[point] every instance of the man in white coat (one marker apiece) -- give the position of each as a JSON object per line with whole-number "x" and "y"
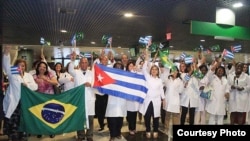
{"x": 83, "y": 76}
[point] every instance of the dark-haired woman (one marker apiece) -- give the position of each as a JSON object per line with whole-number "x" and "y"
{"x": 116, "y": 111}
{"x": 11, "y": 102}
{"x": 45, "y": 81}
{"x": 219, "y": 95}
{"x": 174, "y": 87}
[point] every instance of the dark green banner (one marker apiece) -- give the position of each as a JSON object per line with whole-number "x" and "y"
{"x": 213, "y": 29}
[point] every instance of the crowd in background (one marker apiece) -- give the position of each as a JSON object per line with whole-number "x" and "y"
{"x": 174, "y": 94}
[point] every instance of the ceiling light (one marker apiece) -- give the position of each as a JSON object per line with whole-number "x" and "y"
{"x": 202, "y": 40}
{"x": 128, "y": 15}
{"x": 236, "y": 5}
{"x": 63, "y": 31}
{"x": 92, "y": 43}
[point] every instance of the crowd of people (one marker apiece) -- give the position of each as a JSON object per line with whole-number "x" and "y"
{"x": 174, "y": 94}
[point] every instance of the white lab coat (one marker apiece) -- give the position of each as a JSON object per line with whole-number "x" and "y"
{"x": 239, "y": 100}
{"x": 174, "y": 87}
{"x": 65, "y": 81}
{"x": 190, "y": 95}
{"x": 80, "y": 79}
{"x": 133, "y": 106}
{"x": 155, "y": 93}
{"x": 13, "y": 93}
{"x": 220, "y": 87}
{"x": 116, "y": 107}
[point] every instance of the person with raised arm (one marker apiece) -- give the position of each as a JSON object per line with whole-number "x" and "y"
{"x": 11, "y": 101}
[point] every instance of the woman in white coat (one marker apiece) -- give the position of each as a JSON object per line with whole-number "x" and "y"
{"x": 11, "y": 101}
{"x": 219, "y": 95}
{"x": 116, "y": 111}
{"x": 151, "y": 107}
{"x": 174, "y": 87}
{"x": 238, "y": 100}
{"x": 132, "y": 106}
{"x": 65, "y": 80}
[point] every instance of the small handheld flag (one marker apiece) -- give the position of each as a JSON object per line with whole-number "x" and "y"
{"x": 42, "y": 41}
{"x": 228, "y": 54}
{"x": 206, "y": 94}
{"x": 236, "y": 48}
{"x": 188, "y": 60}
{"x": 73, "y": 41}
{"x": 183, "y": 55}
{"x": 215, "y": 48}
{"x": 145, "y": 40}
{"x": 187, "y": 77}
{"x": 15, "y": 70}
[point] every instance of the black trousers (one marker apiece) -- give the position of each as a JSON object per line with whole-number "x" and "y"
{"x": 115, "y": 126}
{"x": 147, "y": 119}
{"x": 184, "y": 111}
{"x": 100, "y": 108}
{"x": 131, "y": 118}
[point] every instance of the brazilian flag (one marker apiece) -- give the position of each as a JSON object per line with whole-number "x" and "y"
{"x": 52, "y": 114}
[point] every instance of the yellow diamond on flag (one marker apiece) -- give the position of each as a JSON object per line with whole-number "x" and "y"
{"x": 53, "y": 113}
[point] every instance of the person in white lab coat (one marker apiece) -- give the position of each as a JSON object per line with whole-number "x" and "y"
{"x": 219, "y": 95}
{"x": 174, "y": 87}
{"x": 65, "y": 80}
{"x": 11, "y": 101}
{"x": 200, "y": 112}
{"x": 151, "y": 106}
{"x": 132, "y": 106}
{"x": 116, "y": 111}
{"x": 238, "y": 100}
{"x": 83, "y": 76}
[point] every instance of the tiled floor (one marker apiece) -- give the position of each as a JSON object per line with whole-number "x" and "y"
{"x": 104, "y": 136}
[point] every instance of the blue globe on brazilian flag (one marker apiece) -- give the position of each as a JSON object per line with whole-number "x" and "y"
{"x": 52, "y": 114}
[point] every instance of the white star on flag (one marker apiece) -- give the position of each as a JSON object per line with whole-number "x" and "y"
{"x": 100, "y": 77}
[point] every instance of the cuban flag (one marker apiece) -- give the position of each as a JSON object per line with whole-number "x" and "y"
{"x": 73, "y": 41}
{"x": 188, "y": 60}
{"x": 228, "y": 54}
{"x": 145, "y": 40}
{"x": 15, "y": 70}
{"x": 42, "y": 41}
{"x": 120, "y": 83}
{"x": 187, "y": 78}
{"x": 236, "y": 48}
{"x": 183, "y": 55}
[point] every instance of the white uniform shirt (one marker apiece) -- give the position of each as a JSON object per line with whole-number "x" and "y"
{"x": 220, "y": 87}
{"x": 80, "y": 79}
{"x": 239, "y": 100}
{"x": 13, "y": 93}
{"x": 155, "y": 93}
{"x": 174, "y": 87}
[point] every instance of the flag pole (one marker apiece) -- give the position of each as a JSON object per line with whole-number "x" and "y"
{"x": 155, "y": 55}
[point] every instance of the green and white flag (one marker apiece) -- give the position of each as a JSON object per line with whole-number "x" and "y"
{"x": 52, "y": 114}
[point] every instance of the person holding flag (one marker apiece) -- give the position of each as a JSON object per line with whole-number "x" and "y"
{"x": 84, "y": 76}
{"x": 151, "y": 106}
{"x": 11, "y": 101}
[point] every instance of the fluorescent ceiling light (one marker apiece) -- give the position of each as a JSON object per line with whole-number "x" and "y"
{"x": 202, "y": 40}
{"x": 236, "y": 5}
{"x": 63, "y": 31}
{"x": 128, "y": 15}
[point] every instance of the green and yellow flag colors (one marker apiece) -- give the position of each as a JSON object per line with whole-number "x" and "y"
{"x": 166, "y": 62}
{"x": 52, "y": 114}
